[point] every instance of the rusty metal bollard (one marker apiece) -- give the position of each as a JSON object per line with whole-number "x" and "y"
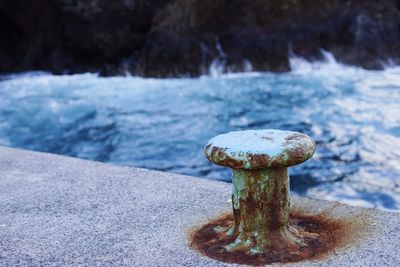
{"x": 260, "y": 199}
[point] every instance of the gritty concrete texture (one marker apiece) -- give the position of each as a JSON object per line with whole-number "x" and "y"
{"x": 59, "y": 211}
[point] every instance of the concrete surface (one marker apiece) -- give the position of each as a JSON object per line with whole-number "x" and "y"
{"x": 59, "y": 211}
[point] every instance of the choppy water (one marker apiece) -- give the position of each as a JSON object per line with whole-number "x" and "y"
{"x": 353, "y": 114}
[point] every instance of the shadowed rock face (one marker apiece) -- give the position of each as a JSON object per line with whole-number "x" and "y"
{"x": 182, "y": 37}
{"x": 74, "y": 35}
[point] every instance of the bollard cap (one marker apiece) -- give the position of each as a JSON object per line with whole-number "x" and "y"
{"x": 259, "y": 149}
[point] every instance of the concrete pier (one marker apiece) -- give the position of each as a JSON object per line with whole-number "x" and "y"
{"x": 60, "y": 211}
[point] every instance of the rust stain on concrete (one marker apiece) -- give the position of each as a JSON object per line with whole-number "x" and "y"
{"x": 321, "y": 233}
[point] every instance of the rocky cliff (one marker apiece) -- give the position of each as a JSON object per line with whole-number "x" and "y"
{"x": 184, "y": 37}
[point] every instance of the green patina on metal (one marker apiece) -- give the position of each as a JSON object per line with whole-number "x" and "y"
{"x": 261, "y": 230}
{"x": 260, "y": 207}
{"x": 260, "y": 197}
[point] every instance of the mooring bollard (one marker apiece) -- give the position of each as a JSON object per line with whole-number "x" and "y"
{"x": 261, "y": 230}
{"x": 260, "y": 199}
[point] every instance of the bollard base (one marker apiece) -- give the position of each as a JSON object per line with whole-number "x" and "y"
{"x": 319, "y": 235}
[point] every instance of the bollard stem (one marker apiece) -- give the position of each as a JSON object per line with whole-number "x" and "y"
{"x": 260, "y": 203}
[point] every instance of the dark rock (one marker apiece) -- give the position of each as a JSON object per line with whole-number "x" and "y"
{"x": 362, "y": 33}
{"x": 72, "y": 35}
{"x": 163, "y": 38}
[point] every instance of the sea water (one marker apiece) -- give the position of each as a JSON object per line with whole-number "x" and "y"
{"x": 353, "y": 114}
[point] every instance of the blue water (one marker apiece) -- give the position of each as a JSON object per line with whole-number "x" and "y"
{"x": 163, "y": 124}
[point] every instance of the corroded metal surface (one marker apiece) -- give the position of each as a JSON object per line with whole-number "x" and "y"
{"x": 260, "y": 208}
{"x": 259, "y": 149}
{"x": 260, "y": 230}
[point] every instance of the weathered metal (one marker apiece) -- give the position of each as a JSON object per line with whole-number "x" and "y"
{"x": 262, "y": 230}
